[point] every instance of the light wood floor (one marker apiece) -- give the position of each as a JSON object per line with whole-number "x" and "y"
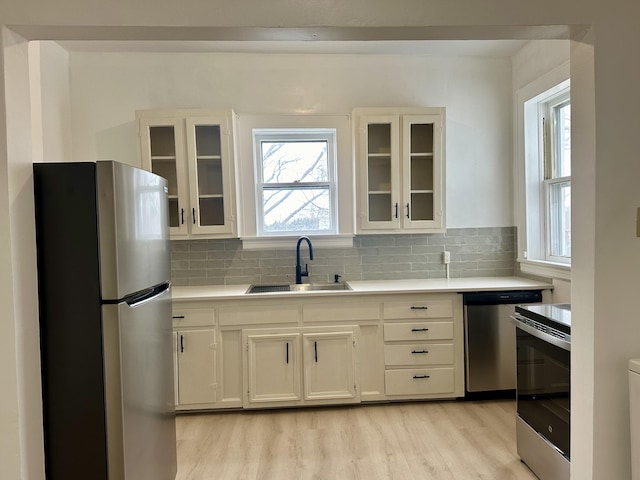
{"x": 422, "y": 440}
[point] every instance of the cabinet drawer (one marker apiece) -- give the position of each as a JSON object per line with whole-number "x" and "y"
{"x": 259, "y": 314}
{"x": 418, "y": 331}
{"x": 418, "y": 309}
{"x": 418, "y": 354}
{"x": 419, "y": 381}
{"x": 193, "y": 318}
{"x": 340, "y": 312}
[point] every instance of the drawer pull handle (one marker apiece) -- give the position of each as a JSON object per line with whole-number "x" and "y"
{"x": 419, "y": 307}
{"x": 419, "y": 329}
{"x": 177, "y": 317}
{"x": 419, "y": 351}
{"x": 420, "y": 376}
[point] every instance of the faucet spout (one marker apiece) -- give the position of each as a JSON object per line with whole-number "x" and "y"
{"x": 299, "y": 272}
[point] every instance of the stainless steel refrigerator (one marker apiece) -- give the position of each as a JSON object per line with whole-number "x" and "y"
{"x": 105, "y": 322}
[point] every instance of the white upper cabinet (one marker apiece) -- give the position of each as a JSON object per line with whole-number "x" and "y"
{"x": 400, "y": 162}
{"x": 193, "y": 150}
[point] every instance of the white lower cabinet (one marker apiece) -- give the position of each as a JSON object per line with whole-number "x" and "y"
{"x": 330, "y": 366}
{"x": 304, "y": 351}
{"x": 194, "y": 361}
{"x": 272, "y": 372}
{"x": 278, "y": 362}
{"x": 423, "y": 347}
{"x": 196, "y": 372}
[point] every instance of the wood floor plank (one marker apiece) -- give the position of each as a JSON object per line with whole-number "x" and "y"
{"x": 455, "y": 440}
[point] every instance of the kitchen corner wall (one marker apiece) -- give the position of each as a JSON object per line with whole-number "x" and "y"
{"x": 474, "y": 252}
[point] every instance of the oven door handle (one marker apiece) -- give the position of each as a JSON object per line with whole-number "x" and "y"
{"x": 558, "y": 342}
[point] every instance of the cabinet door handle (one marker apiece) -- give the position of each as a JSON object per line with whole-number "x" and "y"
{"x": 315, "y": 348}
{"x": 193, "y": 213}
{"x": 420, "y": 376}
{"x": 419, "y": 329}
{"x": 419, "y": 351}
{"x": 408, "y": 216}
{"x": 419, "y": 308}
{"x": 396, "y": 209}
{"x": 182, "y": 216}
{"x": 287, "y": 352}
{"x": 181, "y": 343}
{"x": 178, "y": 316}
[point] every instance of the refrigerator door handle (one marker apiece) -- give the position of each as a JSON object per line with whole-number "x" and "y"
{"x": 148, "y": 295}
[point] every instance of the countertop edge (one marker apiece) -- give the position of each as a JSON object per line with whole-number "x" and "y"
{"x": 373, "y": 287}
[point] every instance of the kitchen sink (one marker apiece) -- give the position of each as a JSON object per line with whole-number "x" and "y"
{"x": 302, "y": 287}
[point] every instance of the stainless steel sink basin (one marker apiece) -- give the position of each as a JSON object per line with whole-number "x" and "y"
{"x": 303, "y": 287}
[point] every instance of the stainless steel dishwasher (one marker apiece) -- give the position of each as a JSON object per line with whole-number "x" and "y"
{"x": 490, "y": 341}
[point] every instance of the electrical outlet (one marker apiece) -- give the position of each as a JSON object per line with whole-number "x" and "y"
{"x": 446, "y": 257}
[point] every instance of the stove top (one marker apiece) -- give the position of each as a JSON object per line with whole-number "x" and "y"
{"x": 556, "y": 315}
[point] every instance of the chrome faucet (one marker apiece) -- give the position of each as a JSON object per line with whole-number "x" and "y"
{"x": 299, "y": 272}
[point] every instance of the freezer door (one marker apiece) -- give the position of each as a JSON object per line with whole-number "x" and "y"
{"x": 140, "y": 411}
{"x": 133, "y": 229}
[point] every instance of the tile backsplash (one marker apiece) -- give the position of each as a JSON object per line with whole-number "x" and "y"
{"x": 475, "y": 252}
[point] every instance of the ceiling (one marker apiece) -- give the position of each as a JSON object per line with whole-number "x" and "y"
{"x": 473, "y": 48}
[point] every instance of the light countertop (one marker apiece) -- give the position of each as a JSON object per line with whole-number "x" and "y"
{"x": 226, "y": 292}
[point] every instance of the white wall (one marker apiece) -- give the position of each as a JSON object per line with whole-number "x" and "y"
{"x": 55, "y": 105}
{"x": 108, "y": 87}
{"x": 19, "y": 321}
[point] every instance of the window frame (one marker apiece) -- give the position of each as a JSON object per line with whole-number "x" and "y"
{"x": 530, "y": 175}
{"x": 246, "y": 177}
{"x": 327, "y": 135}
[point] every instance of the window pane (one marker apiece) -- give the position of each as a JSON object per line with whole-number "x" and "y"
{"x": 297, "y": 210}
{"x": 562, "y": 145}
{"x": 294, "y": 161}
{"x": 560, "y": 219}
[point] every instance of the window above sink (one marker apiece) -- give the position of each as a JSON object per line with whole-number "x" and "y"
{"x": 298, "y": 190}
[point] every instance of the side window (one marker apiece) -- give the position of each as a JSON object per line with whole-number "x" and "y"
{"x": 546, "y": 177}
{"x": 295, "y": 181}
{"x": 556, "y": 114}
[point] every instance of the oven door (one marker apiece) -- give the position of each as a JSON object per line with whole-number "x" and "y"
{"x": 543, "y": 387}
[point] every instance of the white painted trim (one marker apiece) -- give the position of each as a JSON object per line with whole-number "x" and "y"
{"x": 523, "y": 217}
{"x": 545, "y": 269}
{"x": 264, "y": 243}
{"x": 245, "y": 170}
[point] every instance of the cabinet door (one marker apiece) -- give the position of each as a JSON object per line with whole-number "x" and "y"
{"x": 210, "y": 162}
{"x": 196, "y": 366}
{"x": 162, "y": 152}
{"x": 422, "y": 173}
{"x": 329, "y": 366}
{"x": 379, "y": 203}
{"x": 272, "y": 368}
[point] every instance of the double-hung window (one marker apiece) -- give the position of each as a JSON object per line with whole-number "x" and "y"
{"x": 544, "y": 146}
{"x": 296, "y": 181}
{"x": 556, "y": 118}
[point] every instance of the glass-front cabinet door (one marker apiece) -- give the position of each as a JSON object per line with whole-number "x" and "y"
{"x": 162, "y": 143}
{"x": 209, "y": 157}
{"x": 400, "y": 170}
{"x": 193, "y": 150}
{"x": 380, "y": 196}
{"x": 422, "y": 171}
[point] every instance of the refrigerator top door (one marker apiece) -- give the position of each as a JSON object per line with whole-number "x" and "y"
{"x": 133, "y": 229}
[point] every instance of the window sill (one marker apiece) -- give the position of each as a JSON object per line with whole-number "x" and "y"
{"x": 546, "y": 269}
{"x": 319, "y": 241}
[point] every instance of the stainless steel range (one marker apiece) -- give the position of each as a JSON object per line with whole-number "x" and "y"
{"x": 543, "y": 392}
